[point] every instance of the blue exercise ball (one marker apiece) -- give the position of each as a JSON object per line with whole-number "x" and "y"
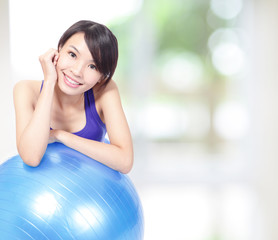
{"x": 68, "y": 196}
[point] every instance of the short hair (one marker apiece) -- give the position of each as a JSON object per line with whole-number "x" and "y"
{"x": 102, "y": 44}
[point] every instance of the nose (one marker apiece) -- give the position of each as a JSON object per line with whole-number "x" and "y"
{"x": 76, "y": 69}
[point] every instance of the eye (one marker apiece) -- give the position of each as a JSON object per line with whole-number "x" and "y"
{"x": 72, "y": 54}
{"x": 92, "y": 66}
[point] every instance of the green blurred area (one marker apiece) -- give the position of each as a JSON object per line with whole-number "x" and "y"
{"x": 165, "y": 60}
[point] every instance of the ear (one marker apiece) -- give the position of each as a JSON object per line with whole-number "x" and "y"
{"x": 99, "y": 81}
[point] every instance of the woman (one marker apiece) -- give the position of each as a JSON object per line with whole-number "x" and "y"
{"x": 77, "y": 102}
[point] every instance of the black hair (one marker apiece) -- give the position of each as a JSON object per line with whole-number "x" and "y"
{"x": 102, "y": 43}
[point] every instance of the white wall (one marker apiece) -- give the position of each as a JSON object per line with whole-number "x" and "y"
{"x": 7, "y": 136}
{"x": 263, "y": 98}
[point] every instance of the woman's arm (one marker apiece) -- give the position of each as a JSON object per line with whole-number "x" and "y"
{"x": 32, "y": 111}
{"x": 119, "y": 153}
{"x": 32, "y": 124}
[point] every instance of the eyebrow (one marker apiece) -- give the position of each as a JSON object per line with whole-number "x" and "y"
{"x": 74, "y": 48}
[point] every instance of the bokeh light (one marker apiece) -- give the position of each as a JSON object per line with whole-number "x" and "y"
{"x": 231, "y": 120}
{"x": 182, "y": 72}
{"x": 228, "y": 58}
{"x": 226, "y": 9}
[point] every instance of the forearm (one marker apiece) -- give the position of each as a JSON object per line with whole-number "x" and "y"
{"x": 33, "y": 140}
{"x": 115, "y": 157}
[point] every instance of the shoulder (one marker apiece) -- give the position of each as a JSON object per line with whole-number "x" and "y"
{"x": 28, "y": 85}
{"x": 100, "y": 92}
{"x": 111, "y": 85}
{"x": 27, "y": 89}
{"x": 109, "y": 93}
{"x": 108, "y": 98}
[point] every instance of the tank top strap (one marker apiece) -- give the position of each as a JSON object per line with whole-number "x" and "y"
{"x": 41, "y": 85}
{"x": 90, "y": 107}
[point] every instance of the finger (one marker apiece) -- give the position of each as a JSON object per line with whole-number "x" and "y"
{"x": 49, "y": 55}
{"x": 56, "y": 58}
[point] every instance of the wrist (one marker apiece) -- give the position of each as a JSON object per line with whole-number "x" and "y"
{"x": 60, "y": 135}
{"x": 49, "y": 83}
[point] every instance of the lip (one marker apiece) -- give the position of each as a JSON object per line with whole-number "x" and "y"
{"x": 70, "y": 84}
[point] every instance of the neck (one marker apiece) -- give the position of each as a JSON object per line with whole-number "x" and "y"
{"x": 65, "y": 100}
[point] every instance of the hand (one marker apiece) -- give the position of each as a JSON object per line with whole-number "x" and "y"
{"x": 48, "y": 62}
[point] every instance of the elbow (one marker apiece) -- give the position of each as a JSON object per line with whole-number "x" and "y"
{"x": 30, "y": 160}
{"x": 127, "y": 166}
{"x": 29, "y": 156}
{"x": 125, "y": 170}
{"x": 32, "y": 163}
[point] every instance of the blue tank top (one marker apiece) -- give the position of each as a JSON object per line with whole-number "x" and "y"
{"x": 94, "y": 129}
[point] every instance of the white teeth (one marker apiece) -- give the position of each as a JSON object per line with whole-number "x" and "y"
{"x": 71, "y": 81}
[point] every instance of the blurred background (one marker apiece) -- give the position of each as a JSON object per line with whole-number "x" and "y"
{"x": 198, "y": 81}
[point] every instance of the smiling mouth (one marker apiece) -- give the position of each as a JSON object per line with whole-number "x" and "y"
{"x": 71, "y": 81}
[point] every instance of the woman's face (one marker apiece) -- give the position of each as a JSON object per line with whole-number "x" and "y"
{"x": 76, "y": 68}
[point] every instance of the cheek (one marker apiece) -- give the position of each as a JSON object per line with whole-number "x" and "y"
{"x": 92, "y": 77}
{"x": 62, "y": 62}
{"x": 92, "y": 81}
